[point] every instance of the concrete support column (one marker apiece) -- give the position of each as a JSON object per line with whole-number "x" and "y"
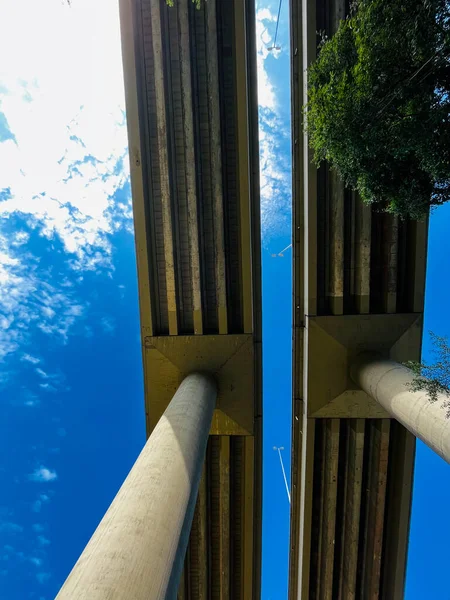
{"x": 388, "y": 383}
{"x": 138, "y": 549}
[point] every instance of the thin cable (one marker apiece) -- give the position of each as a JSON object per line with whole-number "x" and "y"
{"x": 278, "y": 449}
{"x": 284, "y": 249}
{"x": 282, "y": 252}
{"x": 278, "y": 20}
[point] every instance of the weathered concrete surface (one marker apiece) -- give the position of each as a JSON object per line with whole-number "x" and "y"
{"x": 138, "y": 549}
{"x": 388, "y": 382}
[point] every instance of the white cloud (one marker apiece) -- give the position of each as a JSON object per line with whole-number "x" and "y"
{"x": 66, "y": 183}
{"x": 31, "y": 399}
{"x": 10, "y": 527}
{"x": 274, "y": 134}
{"x": 36, "y": 561}
{"x": 43, "y": 474}
{"x": 24, "y": 298}
{"x": 9, "y": 552}
{"x": 43, "y": 577}
{"x": 64, "y": 104}
{"x": 32, "y": 359}
{"x": 47, "y": 387}
{"x": 275, "y": 178}
{"x": 38, "y": 527}
{"x": 43, "y": 541}
{"x": 20, "y": 238}
{"x": 266, "y": 91}
{"x": 108, "y": 325}
{"x": 37, "y": 504}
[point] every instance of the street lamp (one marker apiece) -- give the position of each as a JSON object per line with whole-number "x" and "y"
{"x": 282, "y": 252}
{"x": 279, "y": 449}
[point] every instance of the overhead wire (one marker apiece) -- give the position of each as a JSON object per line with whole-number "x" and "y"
{"x": 274, "y": 45}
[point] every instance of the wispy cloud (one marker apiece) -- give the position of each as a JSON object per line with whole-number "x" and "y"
{"x": 275, "y": 178}
{"x": 108, "y": 325}
{"x": 66, "y": 185}
{"x": 65, "y": 179}
{"x": 25, "y": 297}
{"x": 43, "y": 577}
{"x": 31, "y": 359}
{"x": 47, "y": 387}
{"x": 30, "y": 399}
{"x": 274, "y": 134}
{"x": 43, "y": 474}
{"x": 32, "y": 549}
{"x": 266, "y": 92}
{"x": 10, "y": 527}
{"x": 37, "y": 504}
{"x": 42, "y": 373}
{"x": 9, "y": 552}
{"x": 43, "y": 541}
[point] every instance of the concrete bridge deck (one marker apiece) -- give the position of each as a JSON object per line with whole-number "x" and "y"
{"x": 192, "y": 116}
{"x": 359, "y": 278}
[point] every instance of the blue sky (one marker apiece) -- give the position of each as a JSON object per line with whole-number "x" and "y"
{"x": 71, "y": 409}
{"x": 275, "y": 156}
{"x": 427, "y": 572}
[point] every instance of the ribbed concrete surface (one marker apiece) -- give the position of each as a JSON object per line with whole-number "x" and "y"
{"x": 199, "y": 211}
{"x": 209, "y": 97}
{"x": 352, "y": 478}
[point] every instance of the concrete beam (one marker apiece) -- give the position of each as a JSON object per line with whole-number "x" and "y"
{"x": 352, "y": 510}
{"x": 138, "y": 549}
{"x": 137, "y": 175}
{"x": 163, "y": 158}
{"x": 398, "y": 510}
{"x": 336, "y": 200}
{"x": 391, "y": 249}
{"x": 190, "y": 164}
{"x": 242, "y": 128}
{"x": 375, "y": 496}
{"x": 420, "y": 245}
{"x": 328, "y": 517}
{"x": 336, "y": 256}
{"x": 224, "y": 511}
{"x": 363, "y": 234}
{"x": 306, "y": 482}
{"x": 200, "y": 527}
{"x": 216, "y": 163}
{"x": 247, "y": 517}
{"x": 388, "y": 383}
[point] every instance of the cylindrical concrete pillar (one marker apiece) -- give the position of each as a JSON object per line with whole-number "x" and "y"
{"x": 388, "y": 382}
{"x": 138, "y": 549}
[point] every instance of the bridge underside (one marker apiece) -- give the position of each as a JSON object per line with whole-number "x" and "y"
{"x": 190, "y": 80}
{"x": 192, "y": 117}
{"x": 358, "y": 285}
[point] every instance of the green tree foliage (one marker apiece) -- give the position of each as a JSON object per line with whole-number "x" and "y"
{"x": 435, "y": 378}
{"x": 378, "y": 103}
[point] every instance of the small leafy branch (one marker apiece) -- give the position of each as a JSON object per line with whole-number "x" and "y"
{"x": 434, "y": 378}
